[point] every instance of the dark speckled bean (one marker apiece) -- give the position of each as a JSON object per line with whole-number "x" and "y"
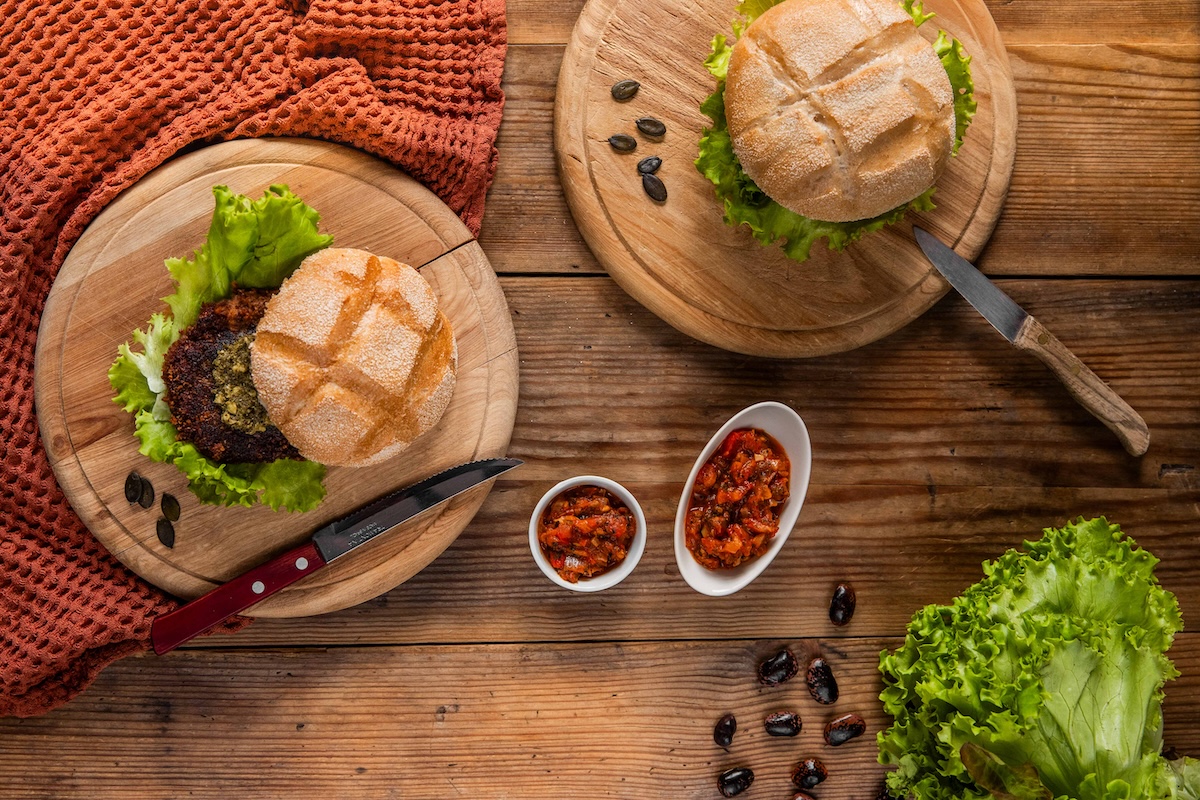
{"x": 780, "y": 667}
{"x": 808, "y": 773}
{"x": 735, "y": 781}
{"x": 841, "y": 607}
{"x": 844, "y": 728}
{"x": 782, "y": 723}
{"x": 724, "y": 729}
{"x": 821, "y": 683}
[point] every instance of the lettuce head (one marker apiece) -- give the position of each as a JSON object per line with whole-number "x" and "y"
{"x": 1044, "y": 680}
{"x": 253, "y": 244}
{"x": 745, "y": 204}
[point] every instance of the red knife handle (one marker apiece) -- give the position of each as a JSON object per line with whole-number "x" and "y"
{"x": 192, "y": 619}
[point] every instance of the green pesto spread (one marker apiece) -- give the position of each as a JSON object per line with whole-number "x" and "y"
{"x": 234, "y": 391}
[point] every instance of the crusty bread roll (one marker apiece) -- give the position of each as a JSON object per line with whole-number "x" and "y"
{"x": 353, "y": 359}
{"x": 838, "y": 109}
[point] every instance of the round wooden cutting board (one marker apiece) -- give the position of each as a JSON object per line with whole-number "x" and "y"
{"x": 714, "y": 282}
{"x": 112, "y": 282}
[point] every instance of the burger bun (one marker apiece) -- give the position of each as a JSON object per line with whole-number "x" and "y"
{"x": 353, "y": 359}
{"x": 839, "y": 109}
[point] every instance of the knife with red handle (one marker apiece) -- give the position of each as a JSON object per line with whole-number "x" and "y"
{"x": 328, "y": 543}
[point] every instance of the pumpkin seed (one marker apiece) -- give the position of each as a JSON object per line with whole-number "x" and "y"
{"x": 622, "y": 142}
{"x": 166, "y": 532}
{"x": 133, "y": 487}
{"x": 146, "y": 495}
{"x": 654, "y": 187}
{"x": 170, "y": 507}
{"x": 625, "y": 90}
{"x": 651, "y": 127}
{"x": 649, "y": 165}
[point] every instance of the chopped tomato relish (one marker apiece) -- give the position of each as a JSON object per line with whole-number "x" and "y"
{"x": 585, "y": 531}
{"x": 734, "y": 510}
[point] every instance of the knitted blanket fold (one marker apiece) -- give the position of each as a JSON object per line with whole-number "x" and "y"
{"x": 93, "y": 95}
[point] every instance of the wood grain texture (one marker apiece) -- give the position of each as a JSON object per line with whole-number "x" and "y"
{"x": 935, "y": 448}
{"x": 712, "y": 281}
{"x": 1136, "y": 210}
{"x": 598, "y": 720}
{"x": 1021, "y": 21}
{"x": 112, "y": 282}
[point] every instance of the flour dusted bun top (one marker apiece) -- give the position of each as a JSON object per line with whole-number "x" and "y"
{"x": 353, "y": 359}
{"x": 838, "y": 109}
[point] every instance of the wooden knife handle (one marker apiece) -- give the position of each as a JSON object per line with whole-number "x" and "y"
{"x": 1085, "y": 386}
{"x": 173, "y": 629}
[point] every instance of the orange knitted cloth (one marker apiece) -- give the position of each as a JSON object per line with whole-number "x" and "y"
{"x": 96, "y": 93}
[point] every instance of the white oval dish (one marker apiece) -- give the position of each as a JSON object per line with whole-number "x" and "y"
{"x": 784, "y": 426}
{"x": 613, "y": 576}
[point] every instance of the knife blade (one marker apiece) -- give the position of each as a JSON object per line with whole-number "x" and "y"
{"x": 326, "y": 544}
{"x": 1026, "y": 333}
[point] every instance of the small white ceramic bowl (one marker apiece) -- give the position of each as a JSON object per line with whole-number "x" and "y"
{"x": 784, "y": 426}
{"x": 613, "y": 576}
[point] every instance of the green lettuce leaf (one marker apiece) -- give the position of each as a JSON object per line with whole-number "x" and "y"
{"x": 745, "y": 204}
{"x": 255, "y": 244}
{"x": 136, "y": 376}
{"x": 1046, "y": 675}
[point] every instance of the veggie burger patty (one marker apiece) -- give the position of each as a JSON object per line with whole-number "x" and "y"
{"x": 207, "y": 411}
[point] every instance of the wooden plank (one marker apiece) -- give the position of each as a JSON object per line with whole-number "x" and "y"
{"x": 1106, "y": 154}
{"x": 1021, "y": 22}
{"x": 528, "y": 227}
{"x": 901, "y": 547}
{"x": 933, "y": 450}
{"x": 511, "y": 721}
{"x": 945, "y": 401}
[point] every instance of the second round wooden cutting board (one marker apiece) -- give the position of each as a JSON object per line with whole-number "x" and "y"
{"x": 112, "y": 282}
{"x": 714, "y": 282}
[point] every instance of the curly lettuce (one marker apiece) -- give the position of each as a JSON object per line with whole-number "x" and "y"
{"x": 1044, "y": 680}
{"x": 745, "y": 204}
{"x": 254, "y": 244}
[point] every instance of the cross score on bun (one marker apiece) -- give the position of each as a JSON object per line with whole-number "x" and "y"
{"x": 353, "y": 359}
{"x": 839, "y": 110}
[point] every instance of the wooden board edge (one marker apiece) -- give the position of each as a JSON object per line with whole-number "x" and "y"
{"x": 451, "y": 232}
{"x": 717, "y": 331}
{"x": 307, "y": 598}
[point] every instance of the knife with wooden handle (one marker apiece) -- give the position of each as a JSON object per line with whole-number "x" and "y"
{"x": 328, "y": 543}
{"x": 1027, "y": 334}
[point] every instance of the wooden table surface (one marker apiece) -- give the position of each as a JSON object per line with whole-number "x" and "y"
{"x": 934, "y": 449}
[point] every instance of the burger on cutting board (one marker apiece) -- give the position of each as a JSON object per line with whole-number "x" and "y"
{"x": 282, "y": 355}
{"x": 831, "y": 118}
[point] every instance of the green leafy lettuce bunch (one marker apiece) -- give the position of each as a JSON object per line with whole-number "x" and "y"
{"x": 746, "y": 204}
{"x": 250, "y": 244}
{"x": 1044, "y": 680}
